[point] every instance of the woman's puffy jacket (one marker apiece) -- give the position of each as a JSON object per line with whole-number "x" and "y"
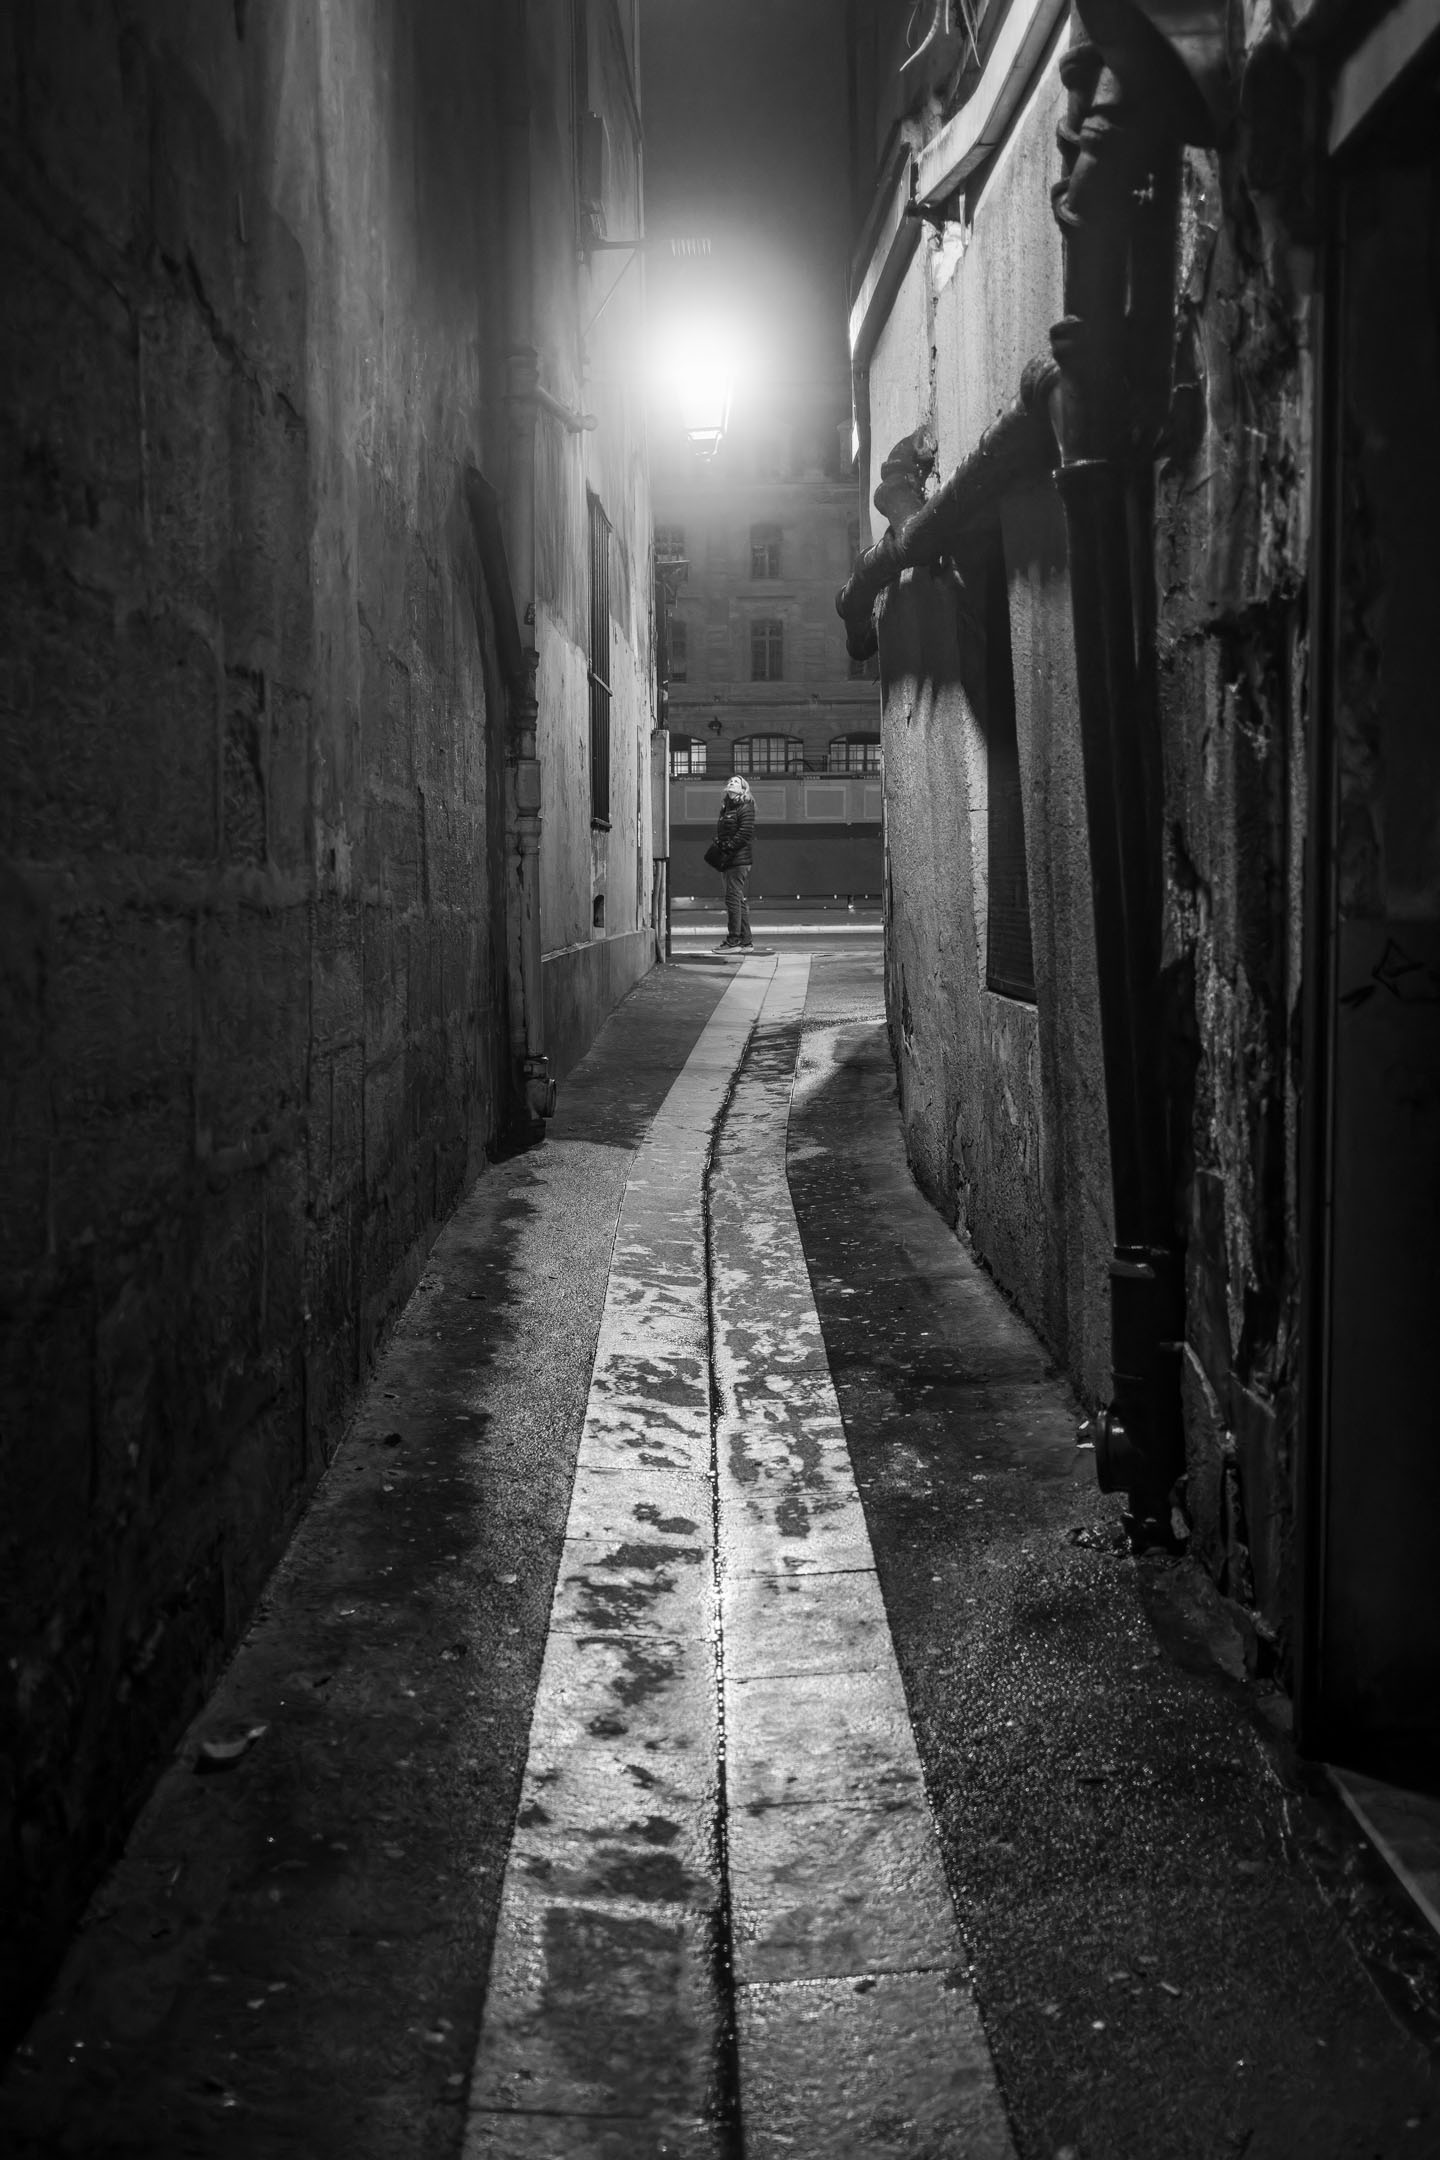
{"x": 733, "y": 829}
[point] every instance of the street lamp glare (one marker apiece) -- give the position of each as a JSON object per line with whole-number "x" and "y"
{"x": 700, "y": 375}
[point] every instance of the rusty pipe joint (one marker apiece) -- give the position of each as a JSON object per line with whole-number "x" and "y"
{"x": 925, "y": 528}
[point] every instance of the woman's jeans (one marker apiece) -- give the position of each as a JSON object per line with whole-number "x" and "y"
{"x": 737, "y": 906}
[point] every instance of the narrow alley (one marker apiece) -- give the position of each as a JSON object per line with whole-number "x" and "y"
{"x": 707, "y": 1710}
{"x": 719, "y": 1080}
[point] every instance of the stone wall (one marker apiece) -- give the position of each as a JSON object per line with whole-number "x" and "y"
{"x": 1232, "y": 540}
{"x": 252, "y": 822}
{"x": 1004, "y": 1106}
{"x": 1002, "y": 1098}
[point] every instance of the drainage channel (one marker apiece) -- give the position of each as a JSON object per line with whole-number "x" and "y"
{"x": 609, "y": 1979}
{"x": 724, "y": 1927}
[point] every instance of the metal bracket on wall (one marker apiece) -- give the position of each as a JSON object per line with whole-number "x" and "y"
{"x": 935, "y": 214}
{"x": 635, "y": 247}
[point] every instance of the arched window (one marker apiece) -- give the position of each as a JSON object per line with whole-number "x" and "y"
{"x": 687, "y": 757}
{"x": 770, "y": 754}
{"x": 853, "y": 754}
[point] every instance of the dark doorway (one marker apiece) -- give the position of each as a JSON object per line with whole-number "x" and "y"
{"x": 1370, "y": 1672}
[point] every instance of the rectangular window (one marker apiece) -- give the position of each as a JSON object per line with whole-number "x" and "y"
{"x": 767, "y": 650}
{"x": 854, "y": 754}
{"x": 679, "y": 650}
{"x": 599, "y": 664}
{"x": 765, "y": 551}
{"x": 769, "y": 754}
{"x": 1009, "y": 953}
{"x": 670, "y": 543}
{"x": 687, "y": 757}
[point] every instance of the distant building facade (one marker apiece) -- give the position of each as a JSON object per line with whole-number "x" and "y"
{"x": 750, "y": 550}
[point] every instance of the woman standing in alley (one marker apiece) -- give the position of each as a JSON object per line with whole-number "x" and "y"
{"x": 733, "y": 831}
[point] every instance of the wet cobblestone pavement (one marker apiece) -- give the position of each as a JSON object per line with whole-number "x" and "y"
{"x": 1067, "y": 1809}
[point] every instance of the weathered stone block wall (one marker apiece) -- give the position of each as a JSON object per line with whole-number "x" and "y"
{"x": 249, "y": 972}
{"x": 1232, "y": 536}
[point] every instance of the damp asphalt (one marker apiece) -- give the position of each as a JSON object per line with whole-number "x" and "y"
{"x": 978, "y": 1836}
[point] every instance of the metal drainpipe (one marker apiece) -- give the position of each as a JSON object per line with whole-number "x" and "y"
{"x": 1147, "y": 85}
{"x": 527, "y": 1018}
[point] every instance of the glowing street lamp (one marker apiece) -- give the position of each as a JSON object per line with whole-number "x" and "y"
{"x": 699, "y": 375}
{"x": 705, "y": 405}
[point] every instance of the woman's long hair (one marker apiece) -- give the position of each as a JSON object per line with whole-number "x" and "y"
{"x": 739, "y": 787}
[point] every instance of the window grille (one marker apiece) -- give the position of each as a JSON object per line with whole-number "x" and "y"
{"x": 1009, "y": 951}
{"x": 853, "y": 754}
{"x": 765, "y": 551}
{"x": 769, "y": 754}
{"x": 767, "y": 650}
{"x": 679, "y": 636}
{"x": 599, "y": 663}
{"x": 687, "y": 757}
{"x": 670, "y": 543}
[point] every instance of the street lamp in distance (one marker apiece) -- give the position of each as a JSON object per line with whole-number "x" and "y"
{"x": 697, "y": 371}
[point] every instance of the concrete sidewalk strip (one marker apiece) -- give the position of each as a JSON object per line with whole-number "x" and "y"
{"x": 855, "y": 2030}
{"x": 604, "y": 1996}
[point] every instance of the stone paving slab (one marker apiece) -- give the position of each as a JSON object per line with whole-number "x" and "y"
{"x": 507, "y": 2135}
{"x": 554, "y": 2040}
{"x": 821, "y": 1892}
{"x": 891, "y": 2065}
{"x": 789, "y": 1624}
{"x": 637, "y": 1585}
{"x": 807, "y": 1737}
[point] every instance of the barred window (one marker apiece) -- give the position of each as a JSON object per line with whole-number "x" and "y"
{"x": 679, "y": 637}
{"x": 769, "y": 754}
{"x": 767, "y": 650}
{"x": 853, "y": 754}
{"x": 765, "y": 551}
{"x": 670, "y": 543}
{"x": 599, "y": 670}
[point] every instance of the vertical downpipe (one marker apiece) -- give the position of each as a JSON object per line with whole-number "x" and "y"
{"x": 1106, "y": 152}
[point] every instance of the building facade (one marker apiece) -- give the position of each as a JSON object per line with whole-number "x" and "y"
{"x": 751, "y": 546}
{"x": 322, "y": 855}
{"x": 1162, "y": 814}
